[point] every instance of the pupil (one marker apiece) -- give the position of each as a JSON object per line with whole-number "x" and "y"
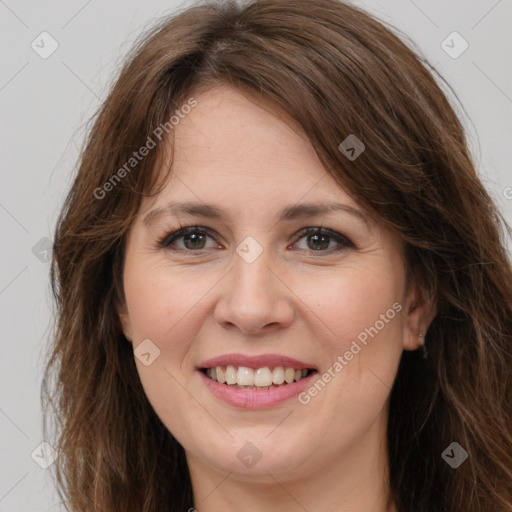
{"x": 194, "y": 238}
{"x": 325, "y": 243}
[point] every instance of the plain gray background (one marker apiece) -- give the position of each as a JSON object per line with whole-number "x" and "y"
{"x": 44, "y": 104}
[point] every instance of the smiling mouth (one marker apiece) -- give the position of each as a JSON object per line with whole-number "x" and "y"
{"x": 242, "y": 377}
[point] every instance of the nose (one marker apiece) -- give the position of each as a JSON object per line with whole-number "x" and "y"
{"x": 254, "y": 298}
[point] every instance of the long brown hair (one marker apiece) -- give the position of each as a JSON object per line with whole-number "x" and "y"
{"x": 337, "y": 71}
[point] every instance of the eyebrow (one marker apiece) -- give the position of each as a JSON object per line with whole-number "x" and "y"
{"x": 288, "y": 213}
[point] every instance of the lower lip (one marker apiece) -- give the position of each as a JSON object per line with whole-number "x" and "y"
{"x": 256, "y": 399}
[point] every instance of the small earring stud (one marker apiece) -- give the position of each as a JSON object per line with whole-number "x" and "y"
{"x": 423, "y": 346}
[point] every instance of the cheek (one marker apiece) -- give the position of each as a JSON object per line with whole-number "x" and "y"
{"x": 362, "y": 344}
{"x": 361, "y": 325}
{"x": 349, "y": 302}
{"x": 159, "y": 297}
{"x": 162, "y": 306}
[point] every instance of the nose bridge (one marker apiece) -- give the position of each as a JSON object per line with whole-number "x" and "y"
{"x": 252, "y": 278}
{"x": 253, "y": 296}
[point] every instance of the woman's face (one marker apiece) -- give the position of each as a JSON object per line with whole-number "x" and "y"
{"x": 248, "y": 295}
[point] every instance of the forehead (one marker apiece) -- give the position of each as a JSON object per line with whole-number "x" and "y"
{"x": 233, "y": 142}
{"x": 231, "y": 129}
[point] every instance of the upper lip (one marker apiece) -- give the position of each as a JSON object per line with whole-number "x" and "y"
{"x": 259, "y": 361}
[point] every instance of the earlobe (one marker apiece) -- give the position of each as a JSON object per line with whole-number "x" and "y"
{"x": 419, "y": 312}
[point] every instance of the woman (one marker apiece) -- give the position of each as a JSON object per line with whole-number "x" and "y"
{"x": 280, "y": 284}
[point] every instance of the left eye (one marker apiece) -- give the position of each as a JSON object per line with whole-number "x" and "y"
{"x": 320, "y": 240}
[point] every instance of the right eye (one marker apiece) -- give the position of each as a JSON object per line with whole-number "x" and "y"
{"x": 193, "y": 238}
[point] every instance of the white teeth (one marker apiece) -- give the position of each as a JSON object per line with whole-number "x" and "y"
{"x": 289, "y": 375}
{"x": 278, "y": 375}
{"x": 245, "y": 376}
{"x": 230, "y": 375}
{"x": 261, "y": 378}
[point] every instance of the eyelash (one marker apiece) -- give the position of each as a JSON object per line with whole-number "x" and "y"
{"x": 169, "y": 238}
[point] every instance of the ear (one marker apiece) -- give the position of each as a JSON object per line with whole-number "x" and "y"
{"x": 124, "y": 321}
{"x": 419, "y": 313}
